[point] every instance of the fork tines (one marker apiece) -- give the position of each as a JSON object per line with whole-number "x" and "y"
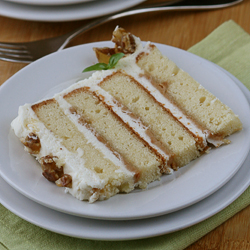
{"x": 12, "y": 52}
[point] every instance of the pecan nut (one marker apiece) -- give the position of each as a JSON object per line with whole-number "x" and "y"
{"x": 64, "y": 181}
{"x": 124, "y": 41}
{"x": 50, "y": 170}
{"x": 32, "y": 143}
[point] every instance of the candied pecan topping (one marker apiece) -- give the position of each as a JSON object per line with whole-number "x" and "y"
{"x": 103, "y": 54}
{"x": 32, "y": 143}
{"x": 50, "y": 170}
{"x": 124, "y": 41}
{"x": 64, "y": 181}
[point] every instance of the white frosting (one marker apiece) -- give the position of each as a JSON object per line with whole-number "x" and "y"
{"x": 217, "y": 143}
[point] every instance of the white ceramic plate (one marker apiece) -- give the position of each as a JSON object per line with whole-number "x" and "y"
{"x": 187, "y": 186}
{"x": 127, "y": 230}
{"x": 48, "y": 2}
{"x": 71, "y": 12}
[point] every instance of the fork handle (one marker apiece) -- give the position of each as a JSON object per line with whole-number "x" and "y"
{"x": 165, "y": 6}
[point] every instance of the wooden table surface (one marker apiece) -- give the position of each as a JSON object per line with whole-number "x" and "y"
{"x": 179, "y": 29}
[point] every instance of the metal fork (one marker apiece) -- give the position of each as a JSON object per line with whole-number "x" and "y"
{"x": 31, "y": 51}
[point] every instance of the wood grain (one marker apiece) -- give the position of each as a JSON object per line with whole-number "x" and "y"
{"x": 179, "y": 29}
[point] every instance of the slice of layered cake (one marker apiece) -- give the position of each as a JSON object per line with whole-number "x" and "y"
{"x": 124, "y": 127}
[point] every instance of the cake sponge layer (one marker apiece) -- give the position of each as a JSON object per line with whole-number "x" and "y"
{"x": 197, "y": 102}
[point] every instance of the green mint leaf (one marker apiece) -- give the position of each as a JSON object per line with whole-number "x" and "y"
{"x": 113, "y": 60}
{"x": 98, "y": 66}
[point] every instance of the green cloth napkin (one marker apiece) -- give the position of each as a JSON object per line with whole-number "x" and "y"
{"x": 229, "y": 47}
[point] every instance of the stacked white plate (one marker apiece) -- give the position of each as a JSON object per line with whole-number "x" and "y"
{"x": 62, "y": 10}
{"x": 190, "y": 195}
